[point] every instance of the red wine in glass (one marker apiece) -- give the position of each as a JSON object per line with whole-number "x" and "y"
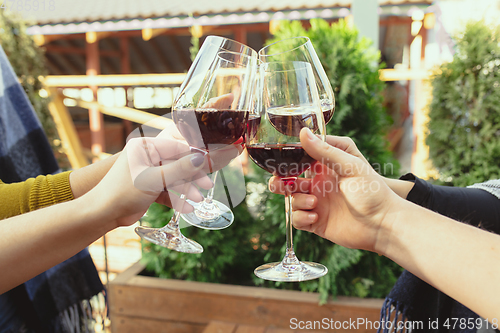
{"x": 328, "y": 114}
{"x": 282, "y": 160}
{"x": 210, "y": 129}
{"x": 252, "y": 126}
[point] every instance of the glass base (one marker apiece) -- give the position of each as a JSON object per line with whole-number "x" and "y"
{"x": 303, "y": 271}
{"x": 219, "y": 218}
{"x": 169, "y": 238}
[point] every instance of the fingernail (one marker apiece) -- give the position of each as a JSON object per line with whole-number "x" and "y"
{"x": 312, "y": 217}
{"x": 310, "y": 202}
{"x": 197, "y": 160}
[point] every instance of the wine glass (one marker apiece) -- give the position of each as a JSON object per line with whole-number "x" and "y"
{"x": 288, "y": 101}
{"x": 210, "y": 213}
{"x": 214, "y": 117}
{"x": 197, "y": 90}
{"x": 301, "y": 49}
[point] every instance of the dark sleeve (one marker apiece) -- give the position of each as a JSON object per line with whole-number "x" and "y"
{"x": 470, "y": 205}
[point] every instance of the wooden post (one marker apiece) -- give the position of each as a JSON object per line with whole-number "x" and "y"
{"x": 96, "y": 119}
{"x": 240, "y": 35}
{"x": 125, "y": 69}
{"x": 66, "y": 129}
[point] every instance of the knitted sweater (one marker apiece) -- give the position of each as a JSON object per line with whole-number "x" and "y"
{"x": 34, "y": 193}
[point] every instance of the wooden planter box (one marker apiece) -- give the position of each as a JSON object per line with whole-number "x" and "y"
{"x": 147, "y": 304}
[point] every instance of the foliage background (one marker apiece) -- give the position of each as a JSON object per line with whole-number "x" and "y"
{"x": 464, "y": 125}
{"x": 258, "y": 233}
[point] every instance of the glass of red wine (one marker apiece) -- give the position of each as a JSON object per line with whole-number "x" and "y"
{"x": 220, "y": 115}
{"x": 214, "y": 117}
{"x": 211, "y": 111}
{"x": 287, "y": 101}
{"x": 301, "y": 49}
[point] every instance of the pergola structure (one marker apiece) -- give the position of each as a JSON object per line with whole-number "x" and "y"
{"x": 122, "y": 37}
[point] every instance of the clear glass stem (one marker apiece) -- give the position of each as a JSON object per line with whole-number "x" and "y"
{"x": 290, "y": 257}
{"x": 173, "y": 224}
{"x": 210, "y": 194}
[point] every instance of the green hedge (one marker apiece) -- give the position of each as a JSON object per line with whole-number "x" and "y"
{"x": 464, "y": 125}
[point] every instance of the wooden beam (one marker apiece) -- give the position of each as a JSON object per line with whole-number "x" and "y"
{"x": 113, "y": 80}
{"x": 399, "y": 75}
{"x": 66, "y": 130}
{"x": 64, "y": 49}
{"x": 141, "y": 55}
{"x": 163, "y": 59}
{"x": 125, "y": 69}
{"x": 178, "y": 48}
{"x": 50, "y": 38}
{"x": 240, "y": 35}
{"x": 110, "y": 66}
{"x": 178, "y": 78}
{"x": 125, "y": 55}
{"x": 80, "y": 59}
{"x": 264, "y": 36}
{"x": 131, "y": 114}
{"x": 68, "y": 65}
{"x": 219, "y": 327}
{"x": 93, "y": 36}
{"x": 41, "y": 40}
{"x": 149, "y": 33}
{"x": 105, "y": 61}
{"x": 96, "y": 119}
{"x": 138, "y": 33}
{"x": 54, "y": 67}
{"x": 395, "y": 20}
{"x": 78, "y": 50}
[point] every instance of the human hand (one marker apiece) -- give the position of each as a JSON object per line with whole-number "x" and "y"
{"x": 347, "y": 201}
{"x": 138, "y": 178}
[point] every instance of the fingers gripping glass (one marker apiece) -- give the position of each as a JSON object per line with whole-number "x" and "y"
{"x": 287, "y": 102}
{"x": 211, "y": 113}
{"x": 170, "y": 235}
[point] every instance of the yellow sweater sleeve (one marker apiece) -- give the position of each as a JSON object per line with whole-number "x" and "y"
{"x": 34, "y": 193}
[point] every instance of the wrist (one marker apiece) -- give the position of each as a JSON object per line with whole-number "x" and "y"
{"x": 389, "y": 231}
{"x": 97, "y": 208}
{"x": 400, "y": 187}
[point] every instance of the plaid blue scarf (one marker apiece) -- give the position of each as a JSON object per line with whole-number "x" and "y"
{"x": 58, "y": 299}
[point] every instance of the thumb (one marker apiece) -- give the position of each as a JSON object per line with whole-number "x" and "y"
{"x": 157, "y": 179}
{"x": 344, "y": 164}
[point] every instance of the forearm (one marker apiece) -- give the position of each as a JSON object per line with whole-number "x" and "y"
{"x": 85, "y": 179}
{"x": 400, "y": 187}
{"x": 460, "y": 260}
{"x": 33, "y": 242}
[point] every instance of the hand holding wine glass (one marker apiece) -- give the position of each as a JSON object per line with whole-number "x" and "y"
{"x": 206, "y": 129}
{"x": 288, "y": 102}
{"x": 215, "y": 116}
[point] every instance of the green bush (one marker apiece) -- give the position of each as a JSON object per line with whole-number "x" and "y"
{"x": 255, "y": 238}
{"x": 464, "y": 113}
